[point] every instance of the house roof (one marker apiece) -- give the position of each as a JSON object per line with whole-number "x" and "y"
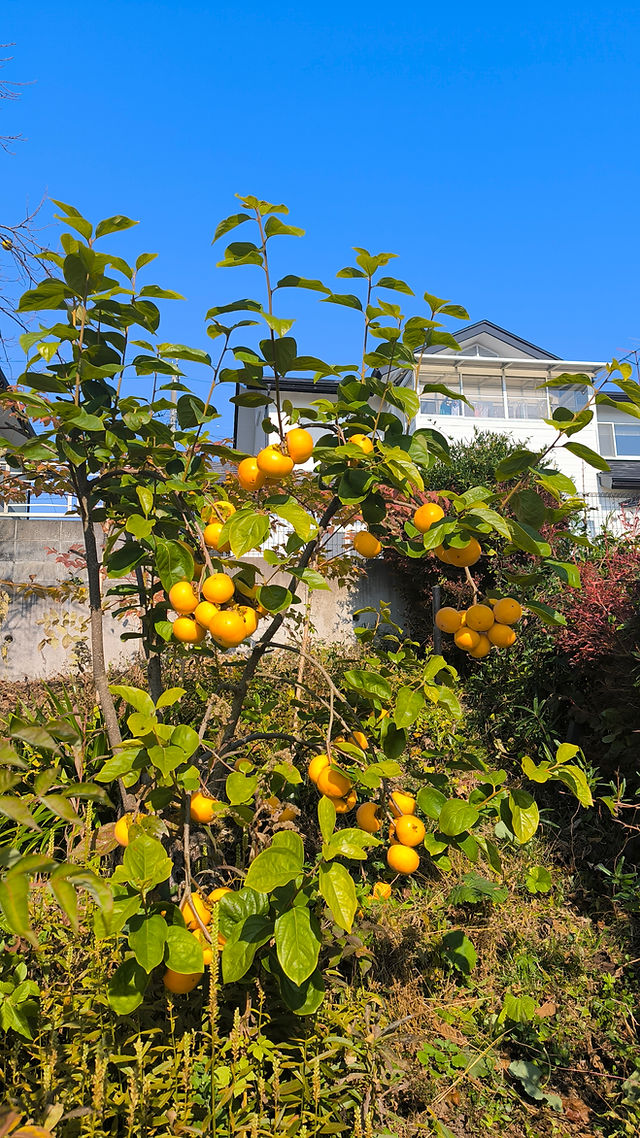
{"x": 472, "y": 330}
{"x": 623, "y": 474}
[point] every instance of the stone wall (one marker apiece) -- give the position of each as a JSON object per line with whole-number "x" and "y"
{"x": 30, "y": 549}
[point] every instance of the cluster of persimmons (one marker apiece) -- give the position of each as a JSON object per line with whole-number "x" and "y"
{"x": 214, "y": 609}
{"x": 405, "y": 830}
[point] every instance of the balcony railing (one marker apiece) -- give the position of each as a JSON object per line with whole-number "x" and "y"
{"x": 42, "y": 507}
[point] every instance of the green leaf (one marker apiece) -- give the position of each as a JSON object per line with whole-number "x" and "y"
{"x": 182, "y": 952}
{"x": 529, "y": 507}
{"x": 303, "y": 999}
{"x": 394, "y": 739}
{"x": 14, "y": 902}
{"x": 525, "y": 815}
{"x": 9, "y": 757}
{"x": 515, "y": 463}
{"x": 326, "y": 817}
{"x": 245, "y": 530}
{"x": 535, "y": 773}
{"x": 127, "y": 986}
{"x": 174, "y": 562}
{"x": 337, "y": 887}
{"x": 170, "y": 697}
{"x": 409, "y": 704}
{"x": 556, "y": 483}
{"x": 124, "y": 559}
{"x": 108, "y": 924}
{"x": 297, "y": 936}
{"x": 346, "y": 299}
{"x": 118, "y": 765}
{"x": 33, "y": 734}
{"x": 350, "y": 843}
{"x": 457, "y": 816}
{"x": 288, "y": 509}
{"x": 519, "y": 1009}
{"x": 183, "y": 352}
{"x": 547, "y": 615}
{"x": 396, "y": 285}
{"x": 277, "y": 865}
{"x": 566, "y": 751}
{"x": 368, "y": 683}
{"x": 49, "y": 294}
{"x": 138, "y": 526}
{"x": 566, "y": 571}
{"x": 538, "y": 879}
{"x": 145, "y": 259}
{"x": 114, "y": 225}
{"x": 160, "y": 293}
{"x": 16, "y": 809}
{"x": 59, "y": 806}
{"x": 302, "y": 282}
{"x": 251, "y": 399}
{"x": 576, "y": 780}
{"x": 235, "y": 907}
{"x": 528, "y": 539}
{"x": 354, "y": 484}
{"x": 145, "y": 863}
{"x": 147, "y": 938}
{"x": 135, "y": 697}
{"x": 529, "y": 1075}
{"x": 587, "y": 455}
{"x": 240, "y": 787}
{"x": 474, "y": 889}
{"x": 430, "y": 800}
{"x": 229, "y": 223}
{"x": 459, "y": 951}
{"x": 276, "y": 228}
{"x": 350, "y": 273}
{"x": 242, "y": 943}
{"x": 275, "y": 598}
{"x": 186, "y": 739}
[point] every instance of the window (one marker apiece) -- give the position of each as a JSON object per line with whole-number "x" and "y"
{"x": 605, "y": 440}
{"x": 477, "y": 350}
{"x": 573, "y": 398}
{"x": 433, "y": 403}
{"x": 619, "y": 440}
{"x": 627, "y": 438}
{"x": 525, "y": 400}
{"x": 484, "y": 392}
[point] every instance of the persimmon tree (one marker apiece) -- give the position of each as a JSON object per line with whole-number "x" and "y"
{"x": 182, "y": 514}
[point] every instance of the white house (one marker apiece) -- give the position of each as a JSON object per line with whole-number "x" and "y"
{"x": 500, "y": 374}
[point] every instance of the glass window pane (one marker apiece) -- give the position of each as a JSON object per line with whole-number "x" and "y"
{"x": 524, "y": 399}
{"x": 605, "y": 439}
{"x": 484, "y": 392}
{"x": 433, "y": 403}
{"x": 627, "y": 440}
{"x": 573, "y": 398}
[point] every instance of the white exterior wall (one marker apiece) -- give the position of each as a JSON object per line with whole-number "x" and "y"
{"x": 533, "y": 433}
{"x": 456, "y": 428}
{"x": 251, "y": 437}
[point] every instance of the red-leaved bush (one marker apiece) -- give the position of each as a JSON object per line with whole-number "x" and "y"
{"x": 602, "y": 615}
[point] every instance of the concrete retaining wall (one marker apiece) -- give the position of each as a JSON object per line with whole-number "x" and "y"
{"x": 30, "y": 549}
{"x": 40, "y": 552}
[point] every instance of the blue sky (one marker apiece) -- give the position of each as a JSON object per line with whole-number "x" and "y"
{"x": 493, "y": 147}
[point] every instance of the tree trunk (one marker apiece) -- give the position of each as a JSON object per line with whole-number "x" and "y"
{"x": 154, "y": 676}
{"x": 100, "y": 680}
{"x": 258, "y": 652}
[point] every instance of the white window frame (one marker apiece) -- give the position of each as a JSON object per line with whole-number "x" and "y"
{"x": 631, "y": 457}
